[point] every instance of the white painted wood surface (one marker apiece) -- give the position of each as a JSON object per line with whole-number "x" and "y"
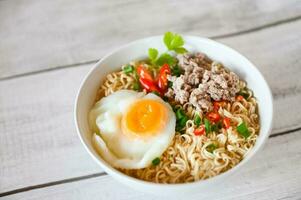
{"x": 39, "y": 35}
{"x": 266, "y": 177}
{"x": 38, "y": 143}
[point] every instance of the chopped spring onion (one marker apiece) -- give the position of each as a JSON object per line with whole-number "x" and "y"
{"x": 156, "y": 161}
{"x": 242, "y": 129}
{"x": 211, "y": 147}
{"x": 207, "y": 126}
{"x": 128, "y": 69}
{"x": 180, "y": 114}
{"x": 244, "y": 93}
{"x": 181, "y": 119}
{"x": 197, "y": 120}
{"x": 215, "y": 127}
{"x": 136, "y": 86}
{"x": 181, "y": 123}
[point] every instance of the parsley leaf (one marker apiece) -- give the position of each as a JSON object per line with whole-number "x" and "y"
{"x": 180, "y": 50}
{"x": 153, "y": 54}
{"x": 174, "y": 42}
{"x": 168, "y": 37}
{"x": 165, "y": 58}
{"x": 177, "y": 41}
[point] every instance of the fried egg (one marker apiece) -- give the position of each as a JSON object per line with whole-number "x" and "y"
{"x": 132, "y": 128}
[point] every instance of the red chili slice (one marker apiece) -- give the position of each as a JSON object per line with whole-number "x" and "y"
{"x": 239, "y": 98}
{"x": 162, "y": 76}
{"x": 214, "y": 116}
{"x": 226, "y": 122}
{"x": 199, "y": 131}
{"x": 144, "y": 73}
{"x": 149, "y": 85}
{"x": 218, "y": 104}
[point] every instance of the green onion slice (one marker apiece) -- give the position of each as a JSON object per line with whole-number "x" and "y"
{"x": 242, "y": 129}
{"x": 197, "y": 120}
{"x": 156, "y": 161}
{"x": 244, "y": 93}
{"x": 180, "y": 114}
{"x": 136, "y": 86}
{"x": 211, "y": 147}
{"x": 207, "y": 126}
{"x": 128, "y": 69}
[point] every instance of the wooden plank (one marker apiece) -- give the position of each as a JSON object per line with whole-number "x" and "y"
{"x": 38, "y": 137}
{"x": 36, "y": 119}
{"x": 39, "y": 35}
{"x": 265, "y": 177}
{"x": 277, "y": 55}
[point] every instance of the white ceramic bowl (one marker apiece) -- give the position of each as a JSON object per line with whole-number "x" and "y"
{"x": 138, "y": 50}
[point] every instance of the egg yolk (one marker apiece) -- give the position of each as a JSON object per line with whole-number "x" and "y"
{"x": 145, "y": 117}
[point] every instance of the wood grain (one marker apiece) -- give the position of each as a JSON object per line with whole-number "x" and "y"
{"x": 38, "y": 35}
{"x": 265, "y": 177}
{"x": 38, "y": 142}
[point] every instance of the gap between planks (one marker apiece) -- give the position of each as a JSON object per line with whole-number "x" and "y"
{"x": 90, "y": 176}
{"x": 228, "y": 35}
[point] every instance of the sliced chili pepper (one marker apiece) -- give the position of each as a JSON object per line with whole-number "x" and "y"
{"x": 199, "y": 131}
{"x": 149, "y": 86}
{"x": 162, "y": 76}
{"x": 214, "y": 116}
{"x": 226, "y": 122}
{"x": 239, "y": 98}
{"x": 144, "y": 73}
{"x": 218, "y": 104}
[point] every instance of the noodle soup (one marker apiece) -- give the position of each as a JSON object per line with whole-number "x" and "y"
{"x": 208, "y": 123}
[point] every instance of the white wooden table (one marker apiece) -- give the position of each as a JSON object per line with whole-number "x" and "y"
{"x": 47, "y": 47}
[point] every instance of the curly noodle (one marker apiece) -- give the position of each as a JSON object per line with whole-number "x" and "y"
{"x": 188, "y": 159}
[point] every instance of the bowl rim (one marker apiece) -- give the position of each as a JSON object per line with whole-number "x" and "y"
{"x": 121, "y": 176}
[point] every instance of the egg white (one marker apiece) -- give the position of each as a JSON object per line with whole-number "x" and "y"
{"x": 113, "y": 145}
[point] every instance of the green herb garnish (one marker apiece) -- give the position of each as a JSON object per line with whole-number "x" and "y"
{"x": 197, "y": 120}
{"x": 153, "y": 54}
{"x": 176, "y": 71}
{"x": 165, "y": 58}
{"x": 216, "y": 127}
{"x": 211, "y": 147}
{"x": 128, "y": 69}
{"x": 242, "y": 129}
{"x": 207, "y": 126}
{"x": 136, "y": 86}
{"x": 244, "y": 93}
{"x": 181, "y": 119}
{"x": 180, "y": 114}
{"x": 174, "y": 42}
{"x": 156, "y": 161}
